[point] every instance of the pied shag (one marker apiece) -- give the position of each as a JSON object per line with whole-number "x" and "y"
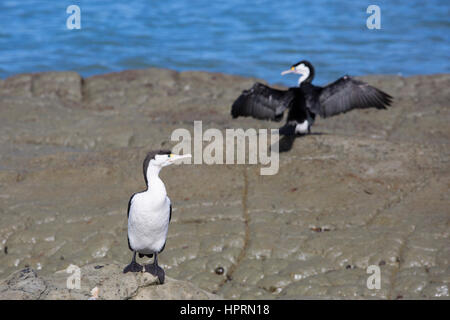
{"x": 306, "y": 101}
{"x": 149, "y": 214}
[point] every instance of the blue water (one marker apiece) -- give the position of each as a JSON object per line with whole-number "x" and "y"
{"x": 250, "y": 38}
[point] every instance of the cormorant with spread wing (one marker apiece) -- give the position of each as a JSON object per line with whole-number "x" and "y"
{"x": 306, "y": 101}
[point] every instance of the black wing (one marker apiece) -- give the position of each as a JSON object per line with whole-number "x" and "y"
{"x": 346, "y": 94}
{"x": 170, "y": 218}
{"x": 129, "y": 205}
{"x": 262, "y": 102}
{"x": 128, "y": 215}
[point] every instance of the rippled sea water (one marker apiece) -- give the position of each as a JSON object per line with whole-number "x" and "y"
{"x": 250, "y": 38}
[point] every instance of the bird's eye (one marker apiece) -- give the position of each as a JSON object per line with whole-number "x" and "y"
{"x": 170, "y": 155}
{"x": 292, "y": 68}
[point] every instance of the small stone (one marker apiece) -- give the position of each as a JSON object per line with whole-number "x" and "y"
{"x": 219, "y": 270}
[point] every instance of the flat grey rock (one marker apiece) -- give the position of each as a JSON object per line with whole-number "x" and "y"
{"x": 369, "y": 187}
{"x": 103, "y": 281}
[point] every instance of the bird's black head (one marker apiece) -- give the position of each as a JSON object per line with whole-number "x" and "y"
{"x": 151, "y": 156}
{"x": 303, "y": 68}
{"x": 159, "y": 159}
{"x": 304, "y": 62}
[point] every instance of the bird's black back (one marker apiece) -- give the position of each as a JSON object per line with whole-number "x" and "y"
{"x": 297, "y": 111}
{"x": 311, "y": 94}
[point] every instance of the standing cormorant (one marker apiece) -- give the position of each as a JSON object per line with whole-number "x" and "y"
{"x": 149, "y": 214}
{"x": 306, "y": 101}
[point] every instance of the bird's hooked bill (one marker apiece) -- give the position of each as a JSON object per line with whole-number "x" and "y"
{"x": 291, "y": 70}
{"x": 175, "y": 157}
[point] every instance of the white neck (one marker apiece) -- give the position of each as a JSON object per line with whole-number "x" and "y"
{"x": 304, "y": 76}
{"x": 155, "y": 184}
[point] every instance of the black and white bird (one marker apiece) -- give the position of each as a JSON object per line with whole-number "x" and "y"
{"x": 306, "y": 101}
{"x": 149, "y": 214}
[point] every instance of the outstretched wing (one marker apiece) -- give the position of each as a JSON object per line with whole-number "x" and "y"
{"x": 346, "y": 94}
{"x": 262, "y": 102}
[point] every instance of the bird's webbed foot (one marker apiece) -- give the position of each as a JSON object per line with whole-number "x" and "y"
{"x": 157, "y": 271}
{"x": 133, "y": 267}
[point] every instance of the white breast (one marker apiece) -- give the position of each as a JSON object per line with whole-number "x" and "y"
{"x": 148, "y": 222}
{"x": 302, "y": 127}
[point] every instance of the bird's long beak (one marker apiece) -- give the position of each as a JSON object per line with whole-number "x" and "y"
{"x": 175, "y": 157}
{"x": 291, "y": 70}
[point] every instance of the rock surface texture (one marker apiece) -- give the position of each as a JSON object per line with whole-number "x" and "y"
{"x": 367, "y": 188}
{"x": 97, "y": 282}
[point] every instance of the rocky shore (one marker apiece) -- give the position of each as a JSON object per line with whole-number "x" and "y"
{"x": 103, "y": 281}
{"x": 367, "y": 188}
